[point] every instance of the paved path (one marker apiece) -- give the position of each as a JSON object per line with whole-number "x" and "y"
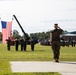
{"x": 65, "y": 68}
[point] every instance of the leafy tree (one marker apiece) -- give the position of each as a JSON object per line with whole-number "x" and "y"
{"x": 26, "y": 36}
{"x": 40, "y": 36}
{"x": 16, "y": 34}
{"x": 34, "y": 36}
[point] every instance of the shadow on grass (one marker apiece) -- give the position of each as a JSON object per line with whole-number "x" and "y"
{"x": 38, "y": 73}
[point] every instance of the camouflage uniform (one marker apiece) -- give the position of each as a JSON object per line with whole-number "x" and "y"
{"x": 55, "y": 42}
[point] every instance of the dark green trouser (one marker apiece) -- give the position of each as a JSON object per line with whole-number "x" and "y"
{"x": 56, "y": 49}
{"x": 8, "y": 47}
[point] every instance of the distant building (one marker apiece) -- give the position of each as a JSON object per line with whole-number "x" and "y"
{"x": 69, "y": 38}
{"x": 69, "y": 35}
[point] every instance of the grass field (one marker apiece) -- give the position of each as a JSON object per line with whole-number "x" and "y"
{"x": 41, "y": 53}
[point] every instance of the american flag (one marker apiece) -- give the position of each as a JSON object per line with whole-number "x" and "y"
{"x": 6, "y": 30}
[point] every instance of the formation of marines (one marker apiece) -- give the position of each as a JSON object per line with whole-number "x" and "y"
{"x": 22, "y": 42}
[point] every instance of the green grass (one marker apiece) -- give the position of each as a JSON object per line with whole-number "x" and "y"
{"x": 41, "y": 53}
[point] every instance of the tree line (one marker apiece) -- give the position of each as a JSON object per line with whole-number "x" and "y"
{"x": 36, "y": 36}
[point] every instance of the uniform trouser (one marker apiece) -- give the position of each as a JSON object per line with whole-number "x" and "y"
{"x": 16, "y": 47}
{"x": 8, "y": 47}
{"x": 56, "y": 49}
{"x": 32, "y": 47}
{"x": 25, "y": 47}
{"x": 21, "y": 47}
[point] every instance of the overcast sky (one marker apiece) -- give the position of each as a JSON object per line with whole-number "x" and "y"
{"x": 39, "y": 15}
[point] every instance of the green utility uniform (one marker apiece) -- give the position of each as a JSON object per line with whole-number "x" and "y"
{"x": 55, "y": 43}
